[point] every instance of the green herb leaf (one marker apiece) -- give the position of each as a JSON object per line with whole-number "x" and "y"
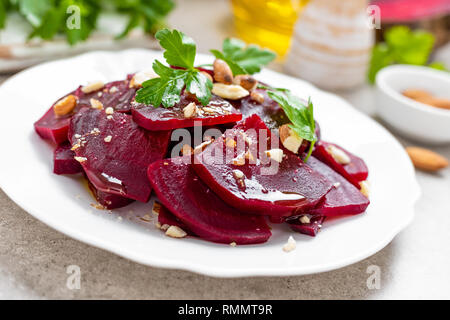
{"x": 402, "y": 46}
{"x": 166, "y": 90}
{"x": 180, "y": 49}
{"x": 243, "y": 59}
{"x": 300, "y": 114}
{"x": 200, "y": 85}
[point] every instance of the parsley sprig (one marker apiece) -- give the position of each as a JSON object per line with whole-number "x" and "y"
{"x": 243, "y": 58}
{"x": 48, "y": 18}
{"x": 179, "y": 52}
{"x": 300, "y": 114}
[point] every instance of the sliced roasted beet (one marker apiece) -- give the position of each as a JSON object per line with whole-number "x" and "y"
{"x": 218, "y": 111}
{"x": 310, "y": 229}
{"x": 354, "y": 172}
{"x": 250, "y": 181}
{"x": 108, "y": 200}
{"x": 269, "y": 110}
{"x": 343, "y": 199}
{"x": 180, "y": 189}
{"x": 63, "y": 160}
{"x": 115, "y": 152}
{"x": 116, "y": 95}
{"x": 167, "y": 217}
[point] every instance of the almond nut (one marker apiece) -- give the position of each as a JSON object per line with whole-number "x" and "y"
{"x": 257, "y": 96}
{"x": 156, "y": 208}
{"x": 140, "y": 77}
{"x": 290, "y": 245}
{"x": 416, "y": 93}
{"x": 222, "y": 72}
{"x": 187, "y": 150}
{"x": 245, "y": 81}
{"x": 441, "y": 103}
{"x": 231, "y": 143}
{"x": 289, "y": 138}
{"x": 304, "y": 219}
{"x": 365, "y": 190}
{"x": 425, "y": 159}
{"x": 207, "y": 75}
{"x": 176, "y": 232}
{"x": 275, "y": 154}
{"x": 229, "y": 91}
{"x": 65, "y": 105}
{"x": 338, "y": 154}
{"x": 93, "y": 86}
{"x": 190, "y": 110}
{"x": 96, "y": 104}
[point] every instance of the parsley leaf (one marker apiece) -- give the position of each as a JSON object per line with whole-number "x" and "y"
{"x": 242, "y": 58}
{"x": 180, "y": 49}
{"x": 300, "y": 115}
{"x": 200, "y": 85}
{"x": 402, "y": 46}
{"x": 166, "y": 90}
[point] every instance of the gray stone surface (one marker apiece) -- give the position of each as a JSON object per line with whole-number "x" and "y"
{"x": 34, "y": 257}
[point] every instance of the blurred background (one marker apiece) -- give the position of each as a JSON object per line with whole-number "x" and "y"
{"x": 331, "y": 43}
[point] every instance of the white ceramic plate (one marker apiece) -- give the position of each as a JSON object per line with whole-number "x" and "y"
{"x": 63, "y": 202}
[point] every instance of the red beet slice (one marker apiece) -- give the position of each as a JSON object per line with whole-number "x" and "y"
{"x": 198, "y": 207}
{"x": 63, "y": 161}
{"x": 116, "y": 94}
{"x": 219, "y": 111}
{"x": 354, "y": 172}
{"x": 269, "y": 110}
{"x": 167, "y": 217}
{"x": 343, "y": 199}
{"x": 310, "y": 229}
{"x": 108, "y": 200}
{"x": 257, "y": 189}
{"x": 118, "y": 166}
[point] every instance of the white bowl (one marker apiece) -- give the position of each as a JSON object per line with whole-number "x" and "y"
{"x": 410, "y": 118}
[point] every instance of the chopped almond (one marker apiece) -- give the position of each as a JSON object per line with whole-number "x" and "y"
{"x": 65, "y": 105}
{"x": 275, "y": 154}
{"x": 229, "y": 91}
{"x": 190, "y": 110}
{"x": 305, "y": 219}
{"x": 140, "y": 77}
{"x": 109, "y": 111}
{"x": 96, "y": 104}
{"x": 238, "y": 174}
{"x": 176, "y": 232}
{"x": 187, "y": 150}
{"x": 238, "y": 161}
{"x": 338, "y": 154}
{"x": 231, "y": 143}
{"x": 256, "y": 96}
{"x": 290, "y": 245}
{"x": 202, "y": 146}
{"x": 108, "y": 139}
{"x": 365, "y": 188}
{"x": 93, "y": 86}
{"x": 156, "y": 208}
{"x": 80, "y": 159}
{"x": 290, "y": 139}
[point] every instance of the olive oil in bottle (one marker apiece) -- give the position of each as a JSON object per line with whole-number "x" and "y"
{"x": 268, "y": 23}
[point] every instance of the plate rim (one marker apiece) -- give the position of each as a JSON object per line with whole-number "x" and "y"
{"x": 217, "y": 272}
